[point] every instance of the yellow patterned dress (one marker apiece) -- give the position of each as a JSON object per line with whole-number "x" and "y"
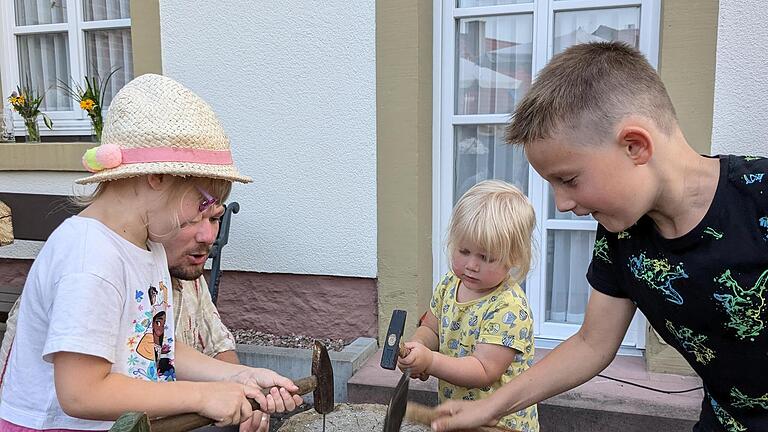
{"x": 501, "y": 317}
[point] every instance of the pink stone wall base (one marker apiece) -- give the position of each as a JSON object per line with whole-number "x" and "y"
{"x": 319, "y": 306}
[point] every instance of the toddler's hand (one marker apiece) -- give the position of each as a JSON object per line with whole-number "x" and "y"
{"x": 225, "y": 402}
{"x": 280, "y": 397}
{"x": 418, "y": 360}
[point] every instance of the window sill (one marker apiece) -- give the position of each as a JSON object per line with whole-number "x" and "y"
{"x": 47, "y": 156}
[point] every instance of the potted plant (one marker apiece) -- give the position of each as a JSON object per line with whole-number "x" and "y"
{"x": 26, "y": 102}
{"x": 91, "y": 99}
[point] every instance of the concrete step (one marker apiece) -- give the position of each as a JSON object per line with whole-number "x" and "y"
{"x": 598, "y": 405}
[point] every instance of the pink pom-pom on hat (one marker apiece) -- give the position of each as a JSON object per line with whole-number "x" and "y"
{"x": 105, "y": 156}
{"x": 109, "y": 155}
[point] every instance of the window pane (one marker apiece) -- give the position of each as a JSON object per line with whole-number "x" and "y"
{"x": 481, "y": 153}
{"x": 105, "y": 51}
{"x": 493, "y": 66}
{"x": 620, "y": 24}
{"x": 554, "y": 213}
{"x": 43, "y": 61}
{"x": 97, "y": 10}
{"x": 568, "y": 257}
{"x": 34, "y": 12}
{"x": 474, "y": 3}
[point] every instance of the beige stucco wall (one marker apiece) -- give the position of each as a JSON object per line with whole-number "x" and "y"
{"x": 404, "y": 158}
{"x": 687, "y": 67}
{"x": 145, "y": 36}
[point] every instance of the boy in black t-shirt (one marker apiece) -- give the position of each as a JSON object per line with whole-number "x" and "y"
{"x": 681, "y": 236}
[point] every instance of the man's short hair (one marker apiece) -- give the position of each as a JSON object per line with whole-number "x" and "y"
{"x": 590, "y": 87}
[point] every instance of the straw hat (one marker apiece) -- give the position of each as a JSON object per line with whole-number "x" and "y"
{"x": 157, "y": 126}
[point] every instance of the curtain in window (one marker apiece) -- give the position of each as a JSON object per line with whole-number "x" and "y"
{"x": 108, "y": 51}
{"x": 568, "y": 257}
{"x": 36, "y": 12}
{"x": 43, "y": 60}
{"x": 99, "y": 10}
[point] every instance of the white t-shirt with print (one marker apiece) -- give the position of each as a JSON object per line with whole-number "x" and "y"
{"x": 88, "y": 292}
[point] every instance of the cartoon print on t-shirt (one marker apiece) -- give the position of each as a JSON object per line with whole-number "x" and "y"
{"x": 729, "y": 423}
{"x": 744, "y": 306}
{"x": 691, "y": 342}
{"x": 153, "y": 345}
{"x": 658, "y": 274}
{"x": 740, "y": 400}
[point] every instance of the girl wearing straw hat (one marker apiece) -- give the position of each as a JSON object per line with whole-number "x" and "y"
{"x": 92, "y": 294}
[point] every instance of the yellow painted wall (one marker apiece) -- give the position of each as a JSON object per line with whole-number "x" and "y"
{"x": 145, "y": 37}
{"x": 687, "y": 67}
{"x": 404, "y": 158}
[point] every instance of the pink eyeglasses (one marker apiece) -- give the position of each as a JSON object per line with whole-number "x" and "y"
{"x": 208, "y": 200}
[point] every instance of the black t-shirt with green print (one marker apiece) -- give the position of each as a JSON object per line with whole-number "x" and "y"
{"x": 705, "y": 292}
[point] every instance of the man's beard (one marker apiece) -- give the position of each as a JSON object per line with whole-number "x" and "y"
{"x": 186, "y": 273}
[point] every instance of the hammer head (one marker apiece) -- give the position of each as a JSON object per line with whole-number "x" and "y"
{"x": 323, "y": 371}
{"x": 397, "y": 405}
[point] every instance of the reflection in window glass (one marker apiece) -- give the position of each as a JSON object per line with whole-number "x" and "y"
{"x": 482, "y": 154}
{"x": 596, "y": 25}
{"x": 98, "y": 10}
{"x": 107, "y": 51}
{"x": 43, "y": 62}
{"x": 567, "y": 287}
{"x": 475, "y": 3}
{"x": 493, "y": 63}
{"x": 35, "y": 12}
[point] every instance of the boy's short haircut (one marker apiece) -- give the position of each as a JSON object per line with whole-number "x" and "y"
{"x": 589, "y": 88}
{"x": 497, "y": 217}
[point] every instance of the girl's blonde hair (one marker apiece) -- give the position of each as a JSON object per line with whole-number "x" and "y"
{"x": 497, "y": 217}
{"x": 181, "y": 186}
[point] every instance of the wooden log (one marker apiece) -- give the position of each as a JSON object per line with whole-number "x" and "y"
{"x": 6, "y": 227}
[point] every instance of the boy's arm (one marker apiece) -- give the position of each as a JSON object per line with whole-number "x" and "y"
{"x": 483, "y": 368}
{"x": 572, "y": 363}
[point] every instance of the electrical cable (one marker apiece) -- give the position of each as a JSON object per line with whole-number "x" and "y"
{"x": 650, "y": 388}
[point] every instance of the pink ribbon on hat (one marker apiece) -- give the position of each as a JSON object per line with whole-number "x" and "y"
{"x": 110, "y": 156}
{"x": 175, "y": 154}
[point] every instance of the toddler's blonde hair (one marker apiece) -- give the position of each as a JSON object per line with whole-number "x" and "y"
{"x": 497, "y": 217}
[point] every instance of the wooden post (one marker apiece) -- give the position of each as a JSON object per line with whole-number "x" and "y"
{"x": 6, "y": 227}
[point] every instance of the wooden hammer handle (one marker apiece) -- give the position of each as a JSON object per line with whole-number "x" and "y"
{"x": 188, "y": 422}
{"x": 425, "y": 415}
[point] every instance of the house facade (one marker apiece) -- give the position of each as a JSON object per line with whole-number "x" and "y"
{"x": 362, "y": 125}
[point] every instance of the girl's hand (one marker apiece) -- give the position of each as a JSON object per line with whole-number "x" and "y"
{"x": 279, "y": 398}
{"x": 225, "y": 402}
{"x": 418, "y": 360}
{"x": 461, "y": 415}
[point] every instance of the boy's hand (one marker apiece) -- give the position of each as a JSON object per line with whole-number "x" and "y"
{"x": 280, "y": 397}
{"x": 461, "y": 415}
{"x": 418, "y": 360}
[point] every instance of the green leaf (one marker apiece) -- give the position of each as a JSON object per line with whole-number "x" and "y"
{"x": 47, "y": 120}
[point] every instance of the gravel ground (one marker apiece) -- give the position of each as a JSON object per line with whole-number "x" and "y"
{"x": 249, "y": 336}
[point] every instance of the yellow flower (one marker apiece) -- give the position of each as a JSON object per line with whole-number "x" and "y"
{"x": 87, "y": 104}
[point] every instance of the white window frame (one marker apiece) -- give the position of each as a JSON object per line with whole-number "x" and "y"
{"x": 444, "y": 120}
{"x": 74, "y": 122}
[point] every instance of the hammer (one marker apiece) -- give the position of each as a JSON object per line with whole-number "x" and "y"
{"x": 320, "y": 383}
